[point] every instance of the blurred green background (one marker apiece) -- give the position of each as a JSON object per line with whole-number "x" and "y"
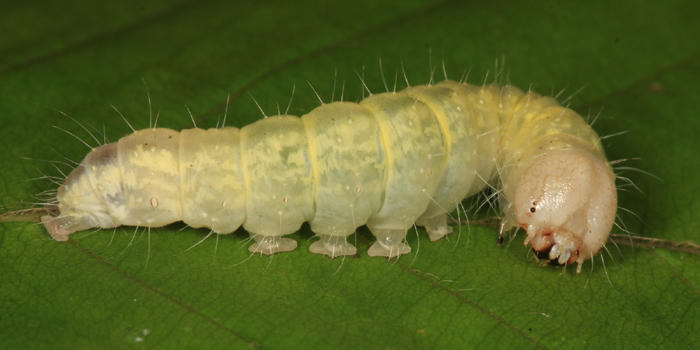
{"x": 639, "y": 67}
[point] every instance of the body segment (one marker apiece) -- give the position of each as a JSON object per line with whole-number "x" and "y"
{"x": 349, "y": 167}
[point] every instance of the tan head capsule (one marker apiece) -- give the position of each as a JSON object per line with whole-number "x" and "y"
{"x": 566, "y": 200}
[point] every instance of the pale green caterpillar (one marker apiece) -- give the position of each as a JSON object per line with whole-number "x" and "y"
{"x": 392, "y": 160}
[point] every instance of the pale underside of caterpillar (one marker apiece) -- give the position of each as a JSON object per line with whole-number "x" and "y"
{"x": 391, "y": 161}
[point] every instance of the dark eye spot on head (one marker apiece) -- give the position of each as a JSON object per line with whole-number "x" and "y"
{"x": 532, "y": 209}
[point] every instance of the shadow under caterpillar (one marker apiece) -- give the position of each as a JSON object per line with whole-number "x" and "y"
{"x": 391, "y": 161}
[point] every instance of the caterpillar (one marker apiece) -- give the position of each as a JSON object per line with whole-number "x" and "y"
{"x": 391, "y": 161}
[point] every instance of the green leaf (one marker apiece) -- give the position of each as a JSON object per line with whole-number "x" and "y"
{"x": 639, "y": 65}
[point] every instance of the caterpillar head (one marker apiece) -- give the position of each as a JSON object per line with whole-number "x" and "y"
{"x": 80, "y": 206}
{"x": 566, "y": 200}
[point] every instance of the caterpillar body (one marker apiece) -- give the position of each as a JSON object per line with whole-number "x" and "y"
{"x": 390, "y": 161}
